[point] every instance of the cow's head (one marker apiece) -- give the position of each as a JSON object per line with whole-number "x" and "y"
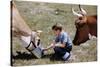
{"x": 35, "y": 37}
{"x": 82, "y": 30}
{"x": 31, "y": 41}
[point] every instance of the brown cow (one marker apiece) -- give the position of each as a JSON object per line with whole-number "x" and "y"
{"x": 86, "y": 27}
{"x": 21, "y": 30}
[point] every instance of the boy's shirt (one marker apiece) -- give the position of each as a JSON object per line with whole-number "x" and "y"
{"x": 63, "y": 38}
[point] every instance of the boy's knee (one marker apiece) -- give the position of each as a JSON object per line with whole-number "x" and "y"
{"x": 56, "y": 49}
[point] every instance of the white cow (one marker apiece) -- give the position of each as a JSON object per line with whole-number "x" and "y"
{"x": 21, "y": 30}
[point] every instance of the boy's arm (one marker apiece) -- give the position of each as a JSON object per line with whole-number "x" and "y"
{"x": 60, "y": 45}
{"x": 51, "y": 46}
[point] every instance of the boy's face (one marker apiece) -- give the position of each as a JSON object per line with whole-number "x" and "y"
{"x": 56, "y": 32}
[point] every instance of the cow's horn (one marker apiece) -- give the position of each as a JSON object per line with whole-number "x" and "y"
{"x": 75, "y": 13}
{"x": 83, "y": 11}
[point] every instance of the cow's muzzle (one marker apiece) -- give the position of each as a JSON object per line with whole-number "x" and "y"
{"x": 76, "y": 43}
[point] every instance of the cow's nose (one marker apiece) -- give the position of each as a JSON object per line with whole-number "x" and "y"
{"x": 75, "y": 43}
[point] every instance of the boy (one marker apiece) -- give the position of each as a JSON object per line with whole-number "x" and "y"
{"x": 62, "y": 44}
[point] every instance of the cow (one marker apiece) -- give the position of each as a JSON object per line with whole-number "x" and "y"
{"x": 86, "y": 26}
{"x": 30, "y": 39}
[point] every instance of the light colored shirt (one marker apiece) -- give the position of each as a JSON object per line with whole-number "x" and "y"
{"x": 63, "y": 38}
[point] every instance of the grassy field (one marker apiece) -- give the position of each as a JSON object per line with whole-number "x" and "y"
{"x": 42, "y": 16}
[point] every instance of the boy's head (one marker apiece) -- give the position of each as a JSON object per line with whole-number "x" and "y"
{"x": 57, "y": 28}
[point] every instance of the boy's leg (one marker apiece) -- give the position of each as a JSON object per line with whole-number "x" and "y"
{"x": 59, "y": 52}
{"x": 66, "y": 56}
{"x": 68, "y": 49}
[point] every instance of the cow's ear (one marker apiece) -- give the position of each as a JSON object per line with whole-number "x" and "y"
{"x": 39, "y": 32}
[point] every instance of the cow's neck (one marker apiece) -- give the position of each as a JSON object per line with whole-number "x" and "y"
{"x": 92, "y": 30}
{"x": 19, "y": 24}
{"x": 92, "y": 25}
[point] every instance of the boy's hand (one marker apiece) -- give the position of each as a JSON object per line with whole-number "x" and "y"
{"x": 58, "y": 44}
{"x": 51, "y": 46}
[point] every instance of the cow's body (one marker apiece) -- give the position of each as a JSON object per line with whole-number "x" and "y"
{"x": 86, "y": 26}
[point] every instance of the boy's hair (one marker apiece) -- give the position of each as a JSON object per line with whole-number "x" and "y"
{"x": 57, "y": 27}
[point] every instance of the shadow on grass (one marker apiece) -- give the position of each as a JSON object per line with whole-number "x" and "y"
{"x": 29, "y": 56}
{"x": 53, "y": 57}
{"x": 23, "y": 56}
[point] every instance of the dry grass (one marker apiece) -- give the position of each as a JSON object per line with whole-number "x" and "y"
{"x": 42, "y": 16}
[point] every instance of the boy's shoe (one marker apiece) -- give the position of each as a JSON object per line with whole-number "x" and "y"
{"x": 66, "y": 56}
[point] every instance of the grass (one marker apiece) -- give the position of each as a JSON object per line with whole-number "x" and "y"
{"x": 42, "y": 16}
